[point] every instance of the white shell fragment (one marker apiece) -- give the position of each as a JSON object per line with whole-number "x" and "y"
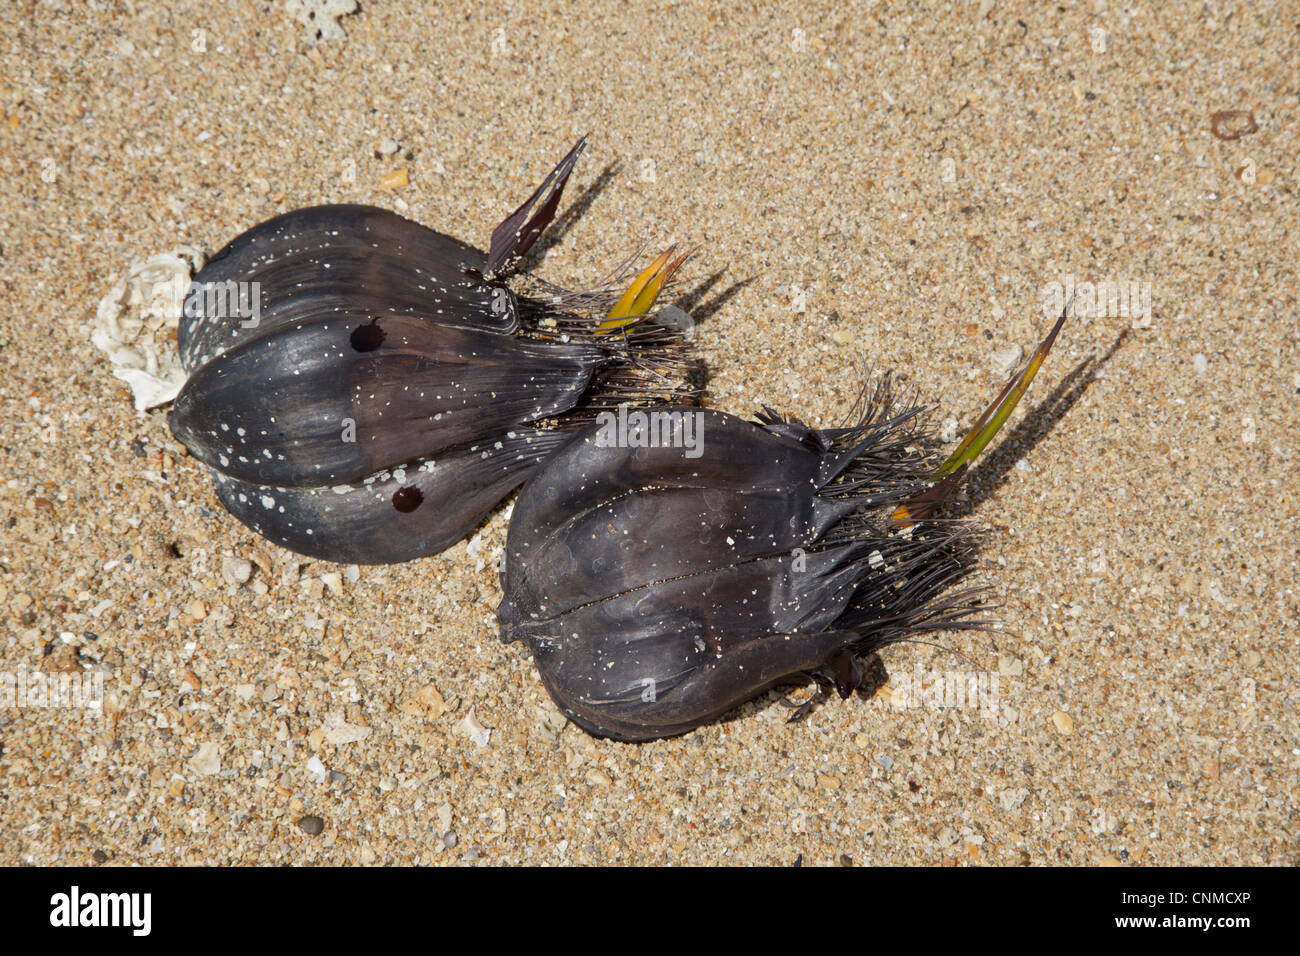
{"x": 1005, "y": 361}
{"x": 135, "y": 325}
{"x": 316, "y": 769}
{"x": 207, "y": 759}
{"x": 948, "y": 430}
{"x": 339, "y": 731}
{"x": 474, "y": 730}
{"x": 321, "y": 17}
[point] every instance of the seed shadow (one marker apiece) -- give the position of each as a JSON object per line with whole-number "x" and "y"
{"x": 693, "y": 302}
{"x": 987, "y": 477}
{"x": 565, "y": 221}
{"x": 694, "y": 305}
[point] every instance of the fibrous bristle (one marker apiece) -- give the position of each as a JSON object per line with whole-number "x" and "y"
{"x": 647, "y": 364}
{"x": 906, "y": 589}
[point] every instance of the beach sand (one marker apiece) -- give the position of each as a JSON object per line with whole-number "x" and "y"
{"x": 890, "y": 186}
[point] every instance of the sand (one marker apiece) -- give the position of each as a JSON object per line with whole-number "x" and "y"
{"x": 892, "y": 186}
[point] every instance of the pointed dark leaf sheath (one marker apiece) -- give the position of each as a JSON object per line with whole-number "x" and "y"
{"x": 392, "y": 387}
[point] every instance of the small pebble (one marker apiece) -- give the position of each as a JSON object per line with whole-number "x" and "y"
{"x": 396, "y": 179}
{"x": 338, "y": 731}
{"x": 1248, "y": 435}
{"x": 207, "y": 759}
{"x": 1233, "y": 124}
{"x": 1199, "y": 363}
{"x": 1064, "y": 723}
{"x": 316, "y": 769}
{"x": 427, "y": 702}
{"x": 311, "y": 824}
{"x": 1004, "y": 361}
{"x": 474, "y": 730}
{"x": 236, "y": 570}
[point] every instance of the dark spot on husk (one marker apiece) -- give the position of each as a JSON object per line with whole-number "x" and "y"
{"x": 367, "y": 338}
{"x": 407, "y": 499}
